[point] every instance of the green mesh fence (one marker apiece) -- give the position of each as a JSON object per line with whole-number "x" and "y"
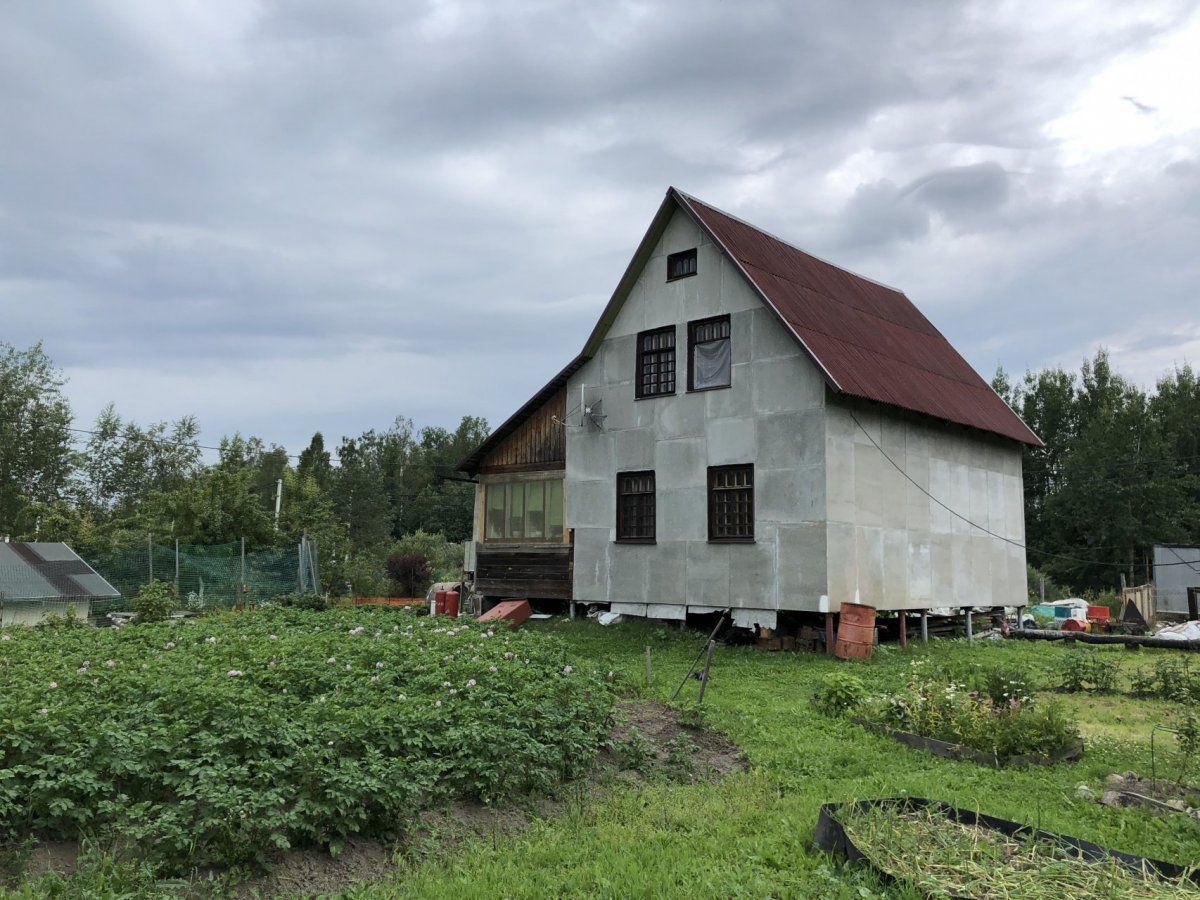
{"x": 216, "y": 575}
{"x": 211, "y": 576}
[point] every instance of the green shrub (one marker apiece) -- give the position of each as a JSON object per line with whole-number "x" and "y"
{"x": 154, "y": 601}
{"x": 1087, "y": 670}
{"x": 635, "y": 751}
{"x": 840, "y": 692}
{"x": 300, "y": 601}
{"x": 1002, "y": 684}
{"x": 947, "y": 711}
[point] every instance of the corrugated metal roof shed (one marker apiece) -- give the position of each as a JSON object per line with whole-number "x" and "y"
{"x": 48, "y": 571}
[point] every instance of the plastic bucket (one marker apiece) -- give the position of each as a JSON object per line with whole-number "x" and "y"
{"x": 856, "y": 631}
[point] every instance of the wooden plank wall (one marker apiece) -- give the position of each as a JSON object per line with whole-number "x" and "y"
{"x": 539, "y": 443}
{"x": 540, "y": 572}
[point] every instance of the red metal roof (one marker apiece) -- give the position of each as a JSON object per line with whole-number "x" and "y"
{"x": 871, "y": 341}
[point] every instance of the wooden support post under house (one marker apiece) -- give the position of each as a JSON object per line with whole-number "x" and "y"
{"x": 903, "y": 629}
{"x": 829, "y": 633}
{"x": 970, "y": 634}
{"x": 925, "y": 626}
{"x": 649, "y": 678}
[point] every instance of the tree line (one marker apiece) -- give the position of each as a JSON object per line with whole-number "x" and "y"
{"x": 1119, "y": 472}
{"x": 116, "y": 483}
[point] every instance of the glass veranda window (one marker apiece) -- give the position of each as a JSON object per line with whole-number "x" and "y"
{"x": 524, "y": 511}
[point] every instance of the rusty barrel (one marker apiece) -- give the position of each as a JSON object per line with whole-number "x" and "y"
{"x": 452, "y": 604}
{"x": 439, "y": 603}
{"x": 856, "y": 631}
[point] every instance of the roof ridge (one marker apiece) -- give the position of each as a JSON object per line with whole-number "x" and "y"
{"x": 875, "y": 281}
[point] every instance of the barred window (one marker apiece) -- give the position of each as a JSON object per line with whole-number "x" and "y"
{"x": 656, "y": 362}
{"x": 731, "y": 503}
{"x": 635, "y": 506}
{"x": 681, "y": 265}
{"x": 708, "y": 354}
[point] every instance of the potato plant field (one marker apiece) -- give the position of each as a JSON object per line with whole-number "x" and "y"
{"x": 213, "y": 740}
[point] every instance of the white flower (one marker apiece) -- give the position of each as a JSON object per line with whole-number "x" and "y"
{"x": 5, "y": 637}
{"x": 471, "y": 682}
{"x": 210, "y": 640}
{"x": 108, "y": 663}
{"x": 567, "y": 670}
{"x": 403, "y": 697}
{"x": 43, "y": 710}
{"x": 453, "y": 691}
{"x": 437, "y": 702}
{"x": 347, "y": 667}
{"x": 509, "y": 655}
{"x": 331, "y": 743}
{"x": 493, "y": 669}
{"x": 53, "y": 685}
{"x": 379, "y": 665}
{"x": 285, "y": 690}
{"x": 235, "y": 673}
{"x": 611, "y": 674}
{"x": 445, "y": 684}
{"x": 374, "y": 679}
{"x": 331, "y": 661}
{"x": 169, "y": 645}
{"x": 273, "y": 637}
{"x": 81, "y": 670}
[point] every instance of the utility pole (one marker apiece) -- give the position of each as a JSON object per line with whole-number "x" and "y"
{"x": 278, "y": 501}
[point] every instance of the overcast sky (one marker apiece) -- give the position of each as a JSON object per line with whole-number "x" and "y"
{"x": 284, "y": 217}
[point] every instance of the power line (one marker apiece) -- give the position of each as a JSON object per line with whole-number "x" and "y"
{"x": 167, "y": 442}
{"x": 956, "y": 513}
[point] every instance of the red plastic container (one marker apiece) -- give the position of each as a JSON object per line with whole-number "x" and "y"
{"x": 1098, "y": 613}
{"x": 452, "y": 604}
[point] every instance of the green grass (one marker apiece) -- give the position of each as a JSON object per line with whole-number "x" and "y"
{"x": 752, "y": 834}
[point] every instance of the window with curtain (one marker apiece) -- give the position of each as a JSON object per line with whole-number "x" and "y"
{"x": 708, "y": 354}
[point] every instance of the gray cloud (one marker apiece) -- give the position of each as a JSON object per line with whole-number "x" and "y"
{"x": 290, "y": 216}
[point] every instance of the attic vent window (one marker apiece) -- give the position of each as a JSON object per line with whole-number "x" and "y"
{"x": 681, "y": 265}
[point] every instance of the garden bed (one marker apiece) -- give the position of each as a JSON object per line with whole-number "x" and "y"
{"x": 941, "y": 850}
{"x": 1069, "y": 753}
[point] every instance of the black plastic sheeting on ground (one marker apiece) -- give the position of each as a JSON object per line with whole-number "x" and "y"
{"x": 832, "y": 837}
{"x": 1084, "y": 637}
{"x": 946, "y": 750}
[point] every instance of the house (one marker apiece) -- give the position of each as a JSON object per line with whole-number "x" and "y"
{"x": 47, "y": 578}
{"x": 1177, "y": 580}
{"x": 749, "y": 427}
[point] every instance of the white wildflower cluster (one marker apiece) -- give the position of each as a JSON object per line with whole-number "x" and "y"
{"x": 567, "y": 670}
{"x": 358, "y": 630}
{"x": 53, "y": 685}
{"x": 379, "y": 665}
{"x": 445, "y": 684}
{"x": 374, "y": 679}
{"x": 110, "y": 663}
{"x": 331, "y": 661}
{"x": 273, "y": 637}
{"x": 5, "y": 637}
{"x": 471, "y": 682}
{"x": 210, "y": 640}
{"x": 235, "y": 673}
{"x": 493, "y": 669}
{"x": 169, "y": 645}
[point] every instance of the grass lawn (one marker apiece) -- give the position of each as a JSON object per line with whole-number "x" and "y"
{"x": 751, "y": 834}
